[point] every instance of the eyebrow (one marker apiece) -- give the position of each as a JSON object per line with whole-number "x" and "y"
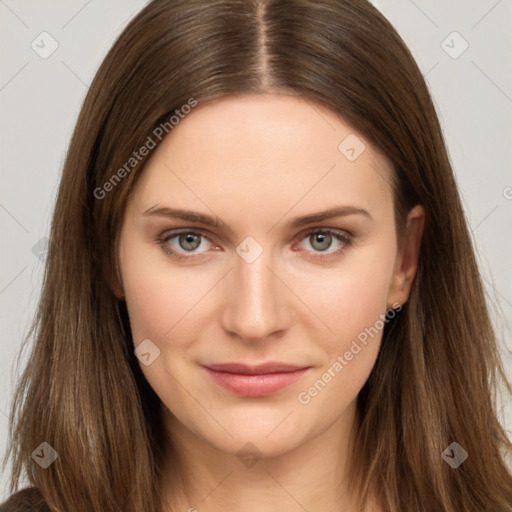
{"x": 216, "y": 222}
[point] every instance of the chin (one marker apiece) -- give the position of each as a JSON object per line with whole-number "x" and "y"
{"x": 255, "y": 445}
{"x": 269, "y": 435}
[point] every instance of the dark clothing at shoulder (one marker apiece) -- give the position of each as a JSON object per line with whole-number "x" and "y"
{"x": 26, "y": 500}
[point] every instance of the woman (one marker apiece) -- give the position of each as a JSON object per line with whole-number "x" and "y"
{"x": 261, "y": 292}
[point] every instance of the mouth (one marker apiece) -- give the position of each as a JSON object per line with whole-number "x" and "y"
{"x": 255, "y": 381}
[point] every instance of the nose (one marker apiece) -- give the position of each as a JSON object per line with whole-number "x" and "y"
{"x": 257, "y": 306}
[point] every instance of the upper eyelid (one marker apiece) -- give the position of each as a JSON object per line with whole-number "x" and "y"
{"x": 172, "y": 233}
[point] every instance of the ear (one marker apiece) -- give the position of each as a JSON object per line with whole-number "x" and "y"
{"x": 406, "y": 262}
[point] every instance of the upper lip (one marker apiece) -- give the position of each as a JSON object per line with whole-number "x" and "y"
{"x": 261, "y": 369}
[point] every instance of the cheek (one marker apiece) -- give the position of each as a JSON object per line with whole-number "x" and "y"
{"x": 352, "y": 296}
{"x": 159, "y": 300}
{"x": 352, "y": 302}
{"x": 354, "y": 308}
{"x": 165, "y": 306}
{"x": 159, "y": 296}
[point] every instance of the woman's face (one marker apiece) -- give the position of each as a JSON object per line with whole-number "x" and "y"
{"x": 248, "y": 279}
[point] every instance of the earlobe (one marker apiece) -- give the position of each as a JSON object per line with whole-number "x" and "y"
{"x": 118, "y": 292}
{"x": 408, "y": 257}
{"x": 117, "y": 284}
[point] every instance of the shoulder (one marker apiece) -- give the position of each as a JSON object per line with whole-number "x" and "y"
{"x": 29, "y": 499}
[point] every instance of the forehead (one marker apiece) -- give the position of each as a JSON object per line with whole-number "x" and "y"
{"x": 264, "y": 153}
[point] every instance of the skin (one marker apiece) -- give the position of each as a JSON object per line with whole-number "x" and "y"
{"x": 258, "y": 162}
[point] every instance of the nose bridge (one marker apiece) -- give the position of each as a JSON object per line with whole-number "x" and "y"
{"x": 255, "y": 307}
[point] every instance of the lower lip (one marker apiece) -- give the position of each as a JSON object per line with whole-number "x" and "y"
{"x": 256, "y": 385}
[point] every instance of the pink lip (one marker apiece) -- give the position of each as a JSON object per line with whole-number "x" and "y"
{"x": 261, "y": 380}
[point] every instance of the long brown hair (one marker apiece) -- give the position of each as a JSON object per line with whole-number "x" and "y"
{"x": 436, "y": 377}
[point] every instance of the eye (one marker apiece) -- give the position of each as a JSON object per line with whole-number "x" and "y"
{"x": 185, "y": 243}
{"x": 322, "y": 239}
{"x": 178, "y": 244}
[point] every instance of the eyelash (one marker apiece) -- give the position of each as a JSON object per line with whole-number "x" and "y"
{"x": 342, "y": 236}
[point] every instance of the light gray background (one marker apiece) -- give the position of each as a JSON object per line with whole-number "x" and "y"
{"x": 40, "y": 99}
